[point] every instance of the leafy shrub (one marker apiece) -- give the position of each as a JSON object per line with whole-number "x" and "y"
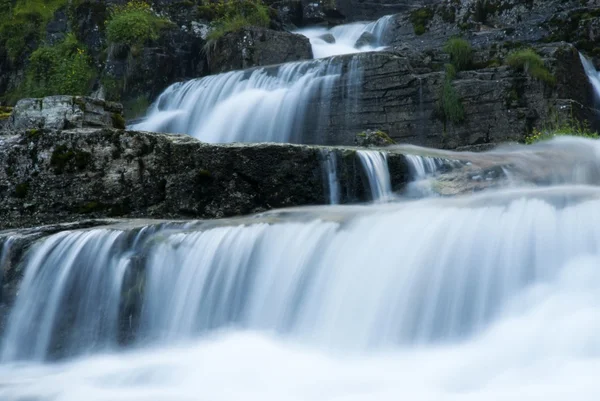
{"x": 461, "y": 53}
{"x": 569, "y": 127}
{"x": 133, "y": 24}
{"x": 420, "y": 19}
{"x": 23, "y": 25}
{"x": 529, "y": 61}
{"x": 62, "y": 69}
{"x": 233, "y": 15}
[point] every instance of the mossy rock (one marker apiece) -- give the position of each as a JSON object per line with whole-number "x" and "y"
{"x": 5, "y": 112}
{"x": 373, "y": 138}
{"x": 64, "y": 158}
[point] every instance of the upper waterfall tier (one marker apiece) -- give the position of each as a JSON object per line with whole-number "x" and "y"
{"x": 348, "y": 38}
{"x": 285, "y": 103}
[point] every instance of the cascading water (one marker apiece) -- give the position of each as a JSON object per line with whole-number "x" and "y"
{"x": 285, "y": 103}
{"x": 342, "y": 39}
{"x": 376, "y": 169}
{"x": 470, "y": 295}
{"x": 592, "y": 74}
{"x": 330, "y": 176}
{"x": 260, "y": 105}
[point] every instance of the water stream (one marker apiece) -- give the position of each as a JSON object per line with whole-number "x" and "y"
{"x": 486, "y": 293}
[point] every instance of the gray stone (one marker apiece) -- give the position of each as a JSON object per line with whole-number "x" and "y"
{"x": 328, "y": 38}
{"x": 251, "y": 47}
{"x": 64, "y": 112}
{"x": 61, "y": 176}
{"x": 366, "y": 39}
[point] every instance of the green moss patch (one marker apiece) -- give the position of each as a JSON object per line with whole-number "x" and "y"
{"x": 420, "y": 19}
{"x": 460, "y": 52}
{"x": 5, "y": 112}
{"x": 530, "y": 62}
{"x": 64, "y": 158}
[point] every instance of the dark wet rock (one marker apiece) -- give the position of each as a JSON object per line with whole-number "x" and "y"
{"x": 65, "y": 112}
{"x": 328, "y": 38}
{"x": 400, "y": 95}
{"x": 366, "y": 39}
{"x": 251, "y": 47}
{"x": 60, "y": 176}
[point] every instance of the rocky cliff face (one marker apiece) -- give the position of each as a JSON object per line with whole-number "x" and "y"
{"x": 400, "y": 94}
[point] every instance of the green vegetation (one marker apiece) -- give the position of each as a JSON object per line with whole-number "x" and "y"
{"x": 118, "y": 121}
{"x": 450, "y": 107}
{"x": 62, "y": 157}
{"x": 136, "y": 107}
{"x": 233, "y": 15}
{"x": 23, "y": 24}
{"x": 460, "y": 52}
{"x": 568, "y": 127}
{"x": 5, "y": 112}
{"x": 420, "y": 19}
{"x": 133, "y": 24}
{"x": 529, "y": 61}
{"x": 62, "y": 69}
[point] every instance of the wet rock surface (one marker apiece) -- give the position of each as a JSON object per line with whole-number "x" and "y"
{"x": 65, "y": 112}
{"x": 252, "y": 47}
{"x": 61, "y": 176}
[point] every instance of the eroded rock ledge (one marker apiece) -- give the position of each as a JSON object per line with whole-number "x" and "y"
{"x": 49, "y": 176}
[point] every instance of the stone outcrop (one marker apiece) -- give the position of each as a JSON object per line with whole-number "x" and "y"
{"x": 251, "y": 47}
{"x": 65, "y": 112}
{"x": 400, "y": 95}
{"x": 69, "y": 175}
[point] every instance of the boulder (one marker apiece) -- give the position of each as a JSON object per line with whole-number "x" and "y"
{"x": 366, "y": 39}
{"x": 373, "y": 138}
{"x": 64, "y": 112}
{"x": 250, "y": 47}
{"x": 328, "y": 38}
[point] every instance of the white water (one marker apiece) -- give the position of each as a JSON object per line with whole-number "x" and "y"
{"x": 331, "y": 176}
{"x": 592, "y": 74}
{"x": 376, "y": 169}
{"x": 286, "y": 103}
{"x": 494, "y": 296}
{"x": 260, "y": 105}
{"x": 346, "y": 37}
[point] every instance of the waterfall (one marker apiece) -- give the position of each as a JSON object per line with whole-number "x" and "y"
{"x": 330, "y": 176}
{"x": 342, "y": 39}
{"x": 592, "y": 74}
{"x": 353, "y": 281}
{"x": 259, "y": 105}
{"x": 376, "y": 169}
{"x": 423, "y": 166}
{"x": 286, "y": 103}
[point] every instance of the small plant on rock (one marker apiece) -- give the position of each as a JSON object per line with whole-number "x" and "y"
{"x": 420, "y": 19}
{"x": 565, "y": 127}
{"x": 460, "y": 52}
{"x": 529, "y": 61}
{"x": 233, "y": 15}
